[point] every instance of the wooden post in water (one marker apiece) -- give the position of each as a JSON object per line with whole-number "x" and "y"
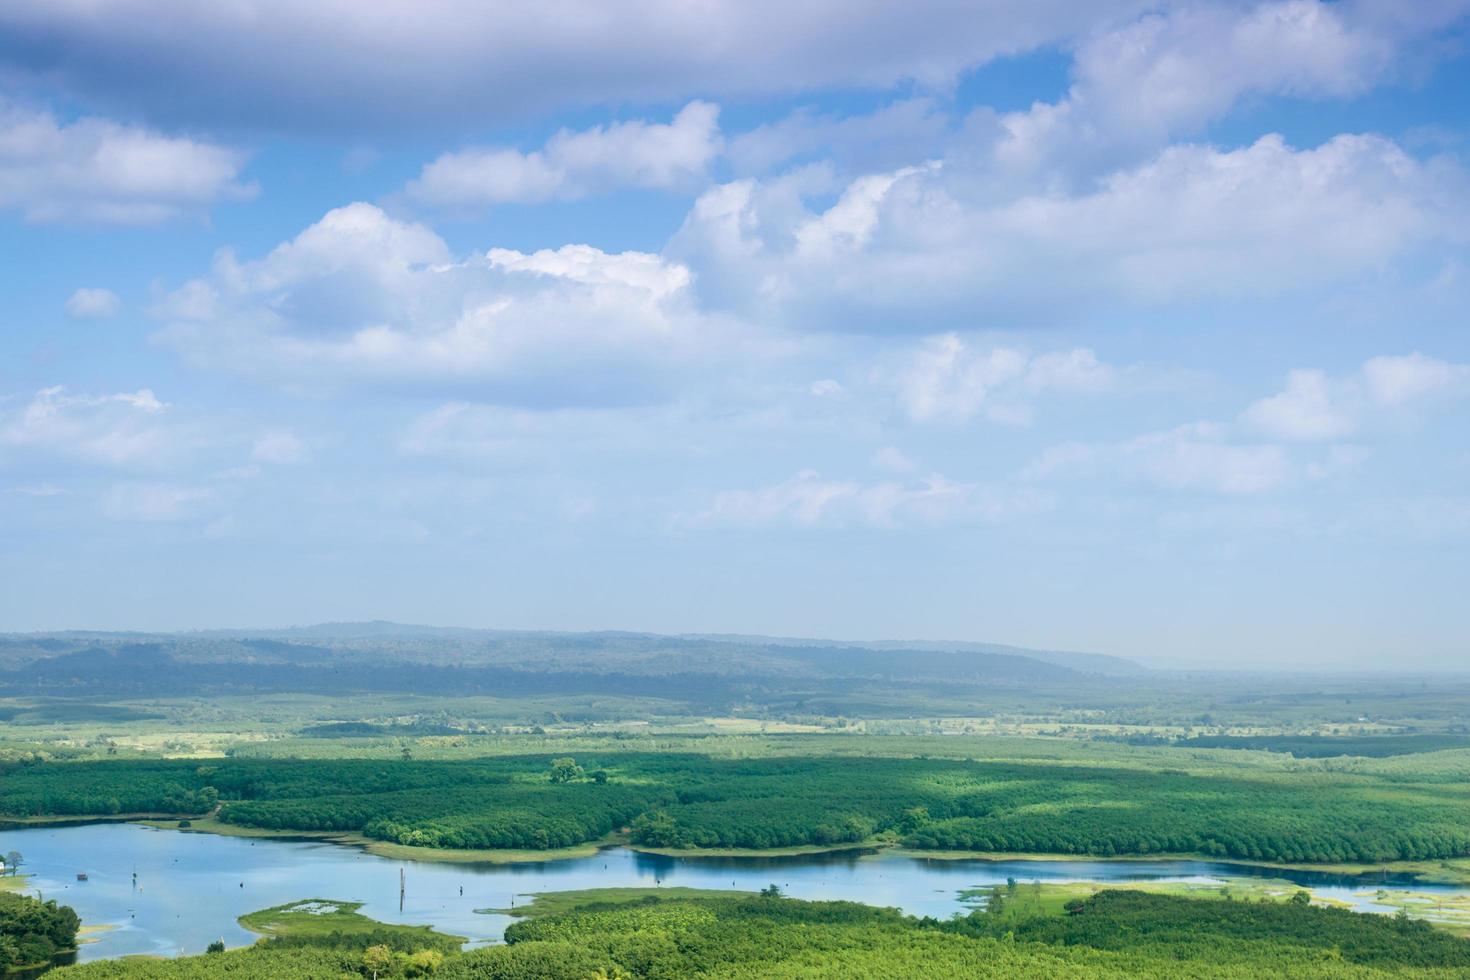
{"x": 401, "y": 889}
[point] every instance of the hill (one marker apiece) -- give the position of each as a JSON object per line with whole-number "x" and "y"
{"x": 703, "y": 672}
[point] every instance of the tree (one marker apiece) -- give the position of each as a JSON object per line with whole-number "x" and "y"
{"x": 565, "y": 770}
{"x": 377, "y": 959}
{"x": 772, "y": 890}
{"x": 913, "y": 818}
{"x": 218, "y": 946}
{"x": 599, "y": 776}
{"x": 1302, "y": 897}
{"x": 13, "y": 861}
{"x": 422, "y": 963}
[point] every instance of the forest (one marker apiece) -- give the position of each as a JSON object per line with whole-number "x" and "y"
{"x": 33, "y": 932}
{"x": 1116, "y": 806}
{"x": 1113, "y": 934}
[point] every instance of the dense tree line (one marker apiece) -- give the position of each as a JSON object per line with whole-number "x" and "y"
{"x": 689, "y": 801}
{"x": 1331, "y": 746}
{"x": 1128, "y": 920}
{"x": 1114, "y": 935}
{"x": 33, "y": 932}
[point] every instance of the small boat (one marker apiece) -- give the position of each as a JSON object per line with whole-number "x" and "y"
{"x": 81, "y": 876}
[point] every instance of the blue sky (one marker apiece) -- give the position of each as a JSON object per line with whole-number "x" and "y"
{"x": 1121, "y": 326}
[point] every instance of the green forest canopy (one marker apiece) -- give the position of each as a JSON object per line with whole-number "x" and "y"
{"x": 1114, "y": 934}
{"x": 683, "y": 801}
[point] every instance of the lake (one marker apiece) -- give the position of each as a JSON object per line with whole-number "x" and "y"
{"x": 191, "y": 887}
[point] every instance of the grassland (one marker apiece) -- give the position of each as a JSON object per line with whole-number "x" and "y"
{"x": 558, "y": 903}
{"x": 1450, "y": 912}
{"x": 322, "y": 918}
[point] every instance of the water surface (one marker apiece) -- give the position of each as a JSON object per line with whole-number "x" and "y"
{"x": 191, "y": 887}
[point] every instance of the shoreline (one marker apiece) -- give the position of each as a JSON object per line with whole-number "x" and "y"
{"x": 1451, "y": 871}
{"x": 388, "y": 849}
{"x": 1448, "y": 871}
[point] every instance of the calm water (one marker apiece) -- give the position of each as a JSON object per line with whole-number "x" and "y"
{"x": 192, "y": 887}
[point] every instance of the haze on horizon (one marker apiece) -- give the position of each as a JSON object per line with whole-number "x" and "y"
{"x": 1127, "y": 327}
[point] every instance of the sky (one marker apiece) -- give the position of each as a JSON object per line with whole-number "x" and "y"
{"x": 1132, "y": 327}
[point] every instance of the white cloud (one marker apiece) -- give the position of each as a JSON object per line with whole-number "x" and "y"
{"x": 807, "y": 500}
{"x": 1315, "y": 407}
{"x": 154, "y": 502}
{"x": 1196, "y": 457}
{"x": 362, "y": 297}
{"x": 1401, "y": 380}
{"x": 885, "y": 139}
{"x": 950, "y": 379}
{"x": 1308, "y": 410}
{"x": 463, "y": 429}
{"x": 279, "y": 447}
{"x": 1170, "y": 72}
{"x": 1072, "y": 370}
{"x": 41, "y": 490}
{"x": 283, "y": 64}
{"x": 95, "y": 170}
{"x": 947, "y": 381}
{"x": 93, "y": 304}
{"x": 579, "y": 164}
{"x": 1264, "y": 450}
{"x": 1192, "y": 458}
{"x": 115, "y": 430}
{"x": 932, "y": 247}
{"x": 804, "y": 499}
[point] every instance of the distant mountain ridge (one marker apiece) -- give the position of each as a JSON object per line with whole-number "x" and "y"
{"x": 1097, "y": 663}
{"x": 382, "y": 656}
{"x": 1086, "y": 662}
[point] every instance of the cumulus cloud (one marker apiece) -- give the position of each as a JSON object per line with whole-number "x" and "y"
{"x": 945, "y": 380}
{"x": 95, "y": 170}
{"x": 362, "y": 297}
{"x": 1269, "y": 445}
{"x": 1170, "y": 72}
{"x": 277, "y": 63}
{"x": 950, "y": 379}
{"x": 920, "y": 248}
{"x": 1315, "y": 407}
{"x": 1402, "y": 380}
{"x": 93, "y": 304}
{"x": 1308, "y": 410}
{"x": 578, "y": 164}
{"x": 121, "y": 429}
{"x": 808, "y": 500}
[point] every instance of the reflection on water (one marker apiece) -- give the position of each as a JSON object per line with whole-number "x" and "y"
{"x": 190, "y": 888}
